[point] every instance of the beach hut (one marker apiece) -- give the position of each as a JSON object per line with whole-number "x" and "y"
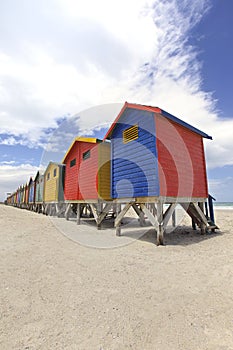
{"x": 19, "y": 196}
{"x": 26, "y": 196}
{"x": 53, "y": 188}
{"x": 10, "y": 199}
{"x": 31, "y": 188}
{"x": 157, "y": 158}
{"x": 87, "y": 176}
{"x": 15, "y": 198}
{"x": 23, "y": 196}
{"x": 38, "y": 191}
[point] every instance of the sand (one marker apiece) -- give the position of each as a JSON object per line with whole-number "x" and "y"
{"x": 58, "y": 294}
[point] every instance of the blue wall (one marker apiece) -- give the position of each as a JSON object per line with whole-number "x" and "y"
{"x": 19, "y": 197}
{"x": 31, "y": 193}
{"x": 134, "y": 164}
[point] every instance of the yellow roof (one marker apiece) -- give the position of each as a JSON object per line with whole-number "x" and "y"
{"x": 85, "y": 139}
{"x": 80, "y": 139}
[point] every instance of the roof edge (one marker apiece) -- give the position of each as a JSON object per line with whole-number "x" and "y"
{"x": 80, "y": 139}
{"x": 185, "y": 124}
{"x": 51, "y": 162}
{"x": 130, "y": 105}
{"x": 154, "y": 110}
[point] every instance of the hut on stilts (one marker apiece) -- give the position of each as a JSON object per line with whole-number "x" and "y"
{"x": 157, "y": 159}
{"x": 31, "y": 198}
{"x": 54, "y": 189}
{"x": 87, "y": 179}
{"x": 149, "y": 160}
{"x": 39, "y": 192}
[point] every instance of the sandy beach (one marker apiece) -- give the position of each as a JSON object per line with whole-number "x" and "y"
{"x": 58, "y": 294}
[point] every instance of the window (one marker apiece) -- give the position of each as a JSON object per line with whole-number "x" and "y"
{"x": 130, "y": 134}
{"x": 86, "y": 154}
{"x": 72, "y": 162}
{"x": 55, "y": 172}
{"x": 48, "y": 176}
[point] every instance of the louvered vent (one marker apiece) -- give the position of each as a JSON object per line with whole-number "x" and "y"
{"x": 130, "y": 134}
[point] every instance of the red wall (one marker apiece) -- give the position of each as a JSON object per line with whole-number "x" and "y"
{"x": 71, "y": 175}
{"x": 26, "y": 194}
{"x": 80, "y": 180}
{"x": 88, "y": 176}
{"x": 181, "y": 160}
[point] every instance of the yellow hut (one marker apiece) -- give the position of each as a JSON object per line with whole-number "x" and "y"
{"x": 53, "y": 196}
{"x": 53, "y": 183}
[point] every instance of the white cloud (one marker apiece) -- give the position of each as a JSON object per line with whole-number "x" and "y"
{"x": 219, "y": 189}
{"x": 63, "y": 56}
{"x": 11, "y": 177}
{"x": 6, "y": 162}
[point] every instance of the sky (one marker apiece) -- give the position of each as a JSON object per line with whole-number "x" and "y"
{"x": 67, "y": 67}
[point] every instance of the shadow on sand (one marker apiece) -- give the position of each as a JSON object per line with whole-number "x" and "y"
{"x": 130, "y": 229}
{"x": 181, "y": 235}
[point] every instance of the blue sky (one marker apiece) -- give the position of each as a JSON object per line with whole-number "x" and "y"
{"x": 213, "y": 37}
{"x": 66, "y": 68}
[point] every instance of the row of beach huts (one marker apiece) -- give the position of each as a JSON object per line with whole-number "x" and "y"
{"x": 147, "y": 159}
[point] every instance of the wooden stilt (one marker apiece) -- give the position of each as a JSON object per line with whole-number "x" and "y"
{"x": 157, "y": 222}
{"x": 78, "y": 214}
{"x": 118, "y": 223}
{"x": 85, "y": 210}
{"x": 167, "y": 215}
{"x": 114, "y": 210}
{"x": 193, "y": 213}
{"x": 94, "y": 211}
{"x": 82, "y": 209}
{"x": 203, "y": 228}
{"x": 174, "y": 218}
{"x": 201, "y": 213}
{"x": 193, "y": 225}
{"x": 140, "y": 213}
{"x": 104, "y": 213}
{"x": 160, "y": 231}
{"x": 152, "y": 208}
{"x": 67, "y": 212}
{"x": 46, "y": 209}
{"x": 206, "y": 210}
{"x": 52, "y": 209}
{"x": 49, "y": 209}
{"x": 118, "y": 230}
{"x": 99, "y": 209}
{"x": 56, "y": 209}
{"x": 122, "y": 213}
{"x": 149, "y": 215}
{"x": 211, "y": 208}
{"x": 60, "y": 209}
